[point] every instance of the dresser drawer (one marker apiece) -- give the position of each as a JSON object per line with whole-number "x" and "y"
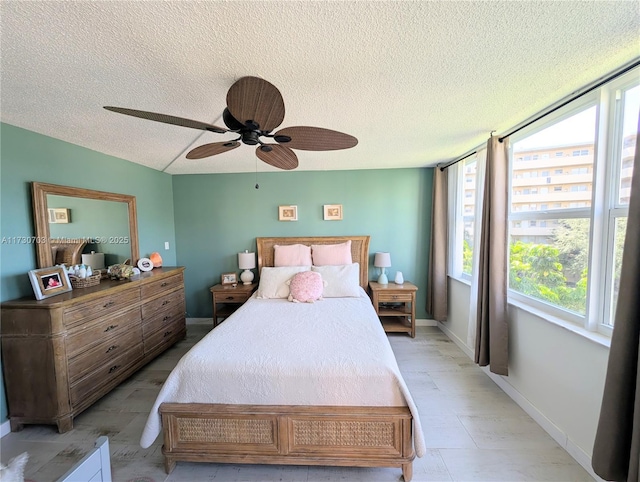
{"x": 101, "y": 307}
{"x": 167, "y": 304}
{"x": 104, "y": 375}
{"x": 391, "y": 297}
{"x": 167, "y": 334}
{"x": 110, "y": 349}
{"x": 161, "y": 320}
{"x": 232, "y": 297}
{"x": 162, "y": 285}
{"x": 94, "y": 333}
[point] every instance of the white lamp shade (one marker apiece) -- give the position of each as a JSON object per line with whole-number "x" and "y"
{"x": 246, "y": 260}
{"x": 382, "y": 260}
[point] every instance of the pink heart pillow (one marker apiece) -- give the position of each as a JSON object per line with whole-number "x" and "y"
{"x": 306, "y": 287}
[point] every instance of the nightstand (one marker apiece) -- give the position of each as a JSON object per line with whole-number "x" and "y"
{"x": 227, "y": 299}
{"x": 395, "y": 306}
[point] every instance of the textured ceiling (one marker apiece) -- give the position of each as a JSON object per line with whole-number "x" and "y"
{"x": 416, "y": 82}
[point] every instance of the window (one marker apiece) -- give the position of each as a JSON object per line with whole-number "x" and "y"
{"x": 565, "y": 251}
{"x": 553, "y": 267}
{"x": 469, "y": 215}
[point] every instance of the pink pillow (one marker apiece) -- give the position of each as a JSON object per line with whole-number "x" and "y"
{"x": 306, "y": 287}
{"x": 331, "y": 254}
{"x": 291, "y": 255}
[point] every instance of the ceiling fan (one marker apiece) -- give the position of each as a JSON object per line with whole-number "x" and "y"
{"x": 255, "y": 108}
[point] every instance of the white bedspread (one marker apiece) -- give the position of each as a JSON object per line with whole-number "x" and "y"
{"x": 274, "y": 352}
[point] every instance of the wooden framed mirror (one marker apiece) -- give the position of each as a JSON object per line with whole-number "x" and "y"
{"x": 44, "y": 194}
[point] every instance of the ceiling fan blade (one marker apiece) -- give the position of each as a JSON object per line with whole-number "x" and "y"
{"x": 279, "y": 156}
{"x": 256, "y": 103}
{"x": 212, "y": 149}
{"x": 315, "y": 139}
{"x": 167, "y": 119}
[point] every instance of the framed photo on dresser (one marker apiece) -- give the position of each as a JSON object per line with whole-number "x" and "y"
{"x": 48, "y": 282}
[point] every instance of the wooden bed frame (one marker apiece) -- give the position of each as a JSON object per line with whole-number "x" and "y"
{"x": 288, "y": 434}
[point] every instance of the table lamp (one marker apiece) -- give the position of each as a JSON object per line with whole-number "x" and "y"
{"x": 382, "y": 261}
{"x": 246, "y": 261}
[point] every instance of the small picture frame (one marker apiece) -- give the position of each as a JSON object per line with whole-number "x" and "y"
{"x": 287, "y": 213}
{"x": 48, "y": 282}
{"x": 229, "y": 279}
{"x": 59, "y": 215}
{"x": 333, "y": 212}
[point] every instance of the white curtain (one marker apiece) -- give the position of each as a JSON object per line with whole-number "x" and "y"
{"x": 481, "y": 164}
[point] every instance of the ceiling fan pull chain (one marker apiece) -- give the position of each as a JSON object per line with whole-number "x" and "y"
{"x": 257, "y": 185}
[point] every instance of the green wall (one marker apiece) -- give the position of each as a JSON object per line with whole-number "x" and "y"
{"x": 219, "y": 215}
{"x": 26, "y": 156}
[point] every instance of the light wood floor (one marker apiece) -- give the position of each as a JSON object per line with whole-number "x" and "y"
{"x": 474, "y": 432}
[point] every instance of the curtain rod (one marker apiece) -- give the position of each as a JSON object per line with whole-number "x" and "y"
{"x": 609, "y": 78}
{"x": 457, "y": 160}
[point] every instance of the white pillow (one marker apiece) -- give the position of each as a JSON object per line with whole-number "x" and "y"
{"x": 341, "y": 281}
{"x": 273, "y": 281}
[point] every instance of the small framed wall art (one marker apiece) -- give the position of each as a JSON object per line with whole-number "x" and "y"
{"x": 48, "y": 282}
{"x": 287, "y": 213}
{"x": 333, "y": 212}
{"x": 229, "y": 278}
{"x": 59, "y": 216}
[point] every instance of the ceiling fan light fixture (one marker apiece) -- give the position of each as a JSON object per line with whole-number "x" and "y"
{"x": 282, "y": 139}
{"x": 251, "y": 138}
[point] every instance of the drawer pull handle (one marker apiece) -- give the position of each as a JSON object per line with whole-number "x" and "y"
{"x": 167, "y": 333}
{"x": 166, "y": 318}
{"x": 110, "y": 303}
{"x": 229, "y": 297}
{"x": 165, "y": 302}
{"x": 164, "y": 284}
{"x": 111, "y": 327}
{"x": 113, "y": 368}
{"x": 111, "y": 348}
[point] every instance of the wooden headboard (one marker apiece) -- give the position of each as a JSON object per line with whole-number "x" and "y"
{"x": 359, "y": 250}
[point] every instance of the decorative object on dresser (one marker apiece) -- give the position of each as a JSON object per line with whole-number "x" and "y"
{"x": 396, "y": 306}
{"x": 399, "y": 279}
{"x": 62, "y": 354}
{"x": 48, "y": 282}
{"x": 228, "y": 298}
{"x": 156, "y": 259}
{"x": 246, "y": 262}
{"x": 332, "y": 212}
{"x": 121, "y": 271}
{"x": 382, "y": 261}
{"x": 145, "y": 264}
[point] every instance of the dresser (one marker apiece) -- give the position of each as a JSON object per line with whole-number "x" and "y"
{"x": 61, "y": 354}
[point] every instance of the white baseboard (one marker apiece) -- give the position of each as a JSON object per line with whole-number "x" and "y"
{"x": 200, "y": 321}
{"x": 420, "y": 322}
{"x": 547, "y": 425}
{"x": 5, "y": 428}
